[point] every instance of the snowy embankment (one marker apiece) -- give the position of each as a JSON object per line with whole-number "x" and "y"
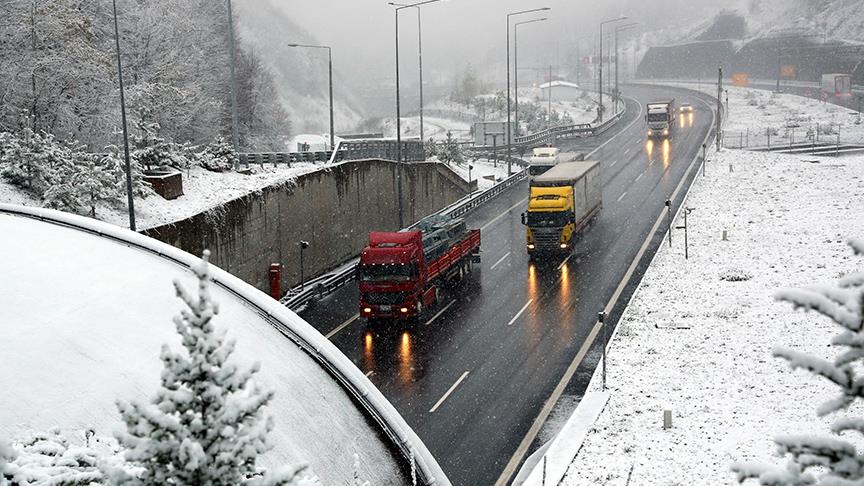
{"x": 754, "y": 112}
{"x": 697, "y": 336}
{"x": 203, "y": 191}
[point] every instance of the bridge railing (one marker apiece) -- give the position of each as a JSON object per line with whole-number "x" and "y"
{"x": 375, "y": 148}
{"x": 561, "y": 131}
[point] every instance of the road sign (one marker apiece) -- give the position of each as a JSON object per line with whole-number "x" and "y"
{"x": 788, "y": 71}
{"x": 740, "y": 79}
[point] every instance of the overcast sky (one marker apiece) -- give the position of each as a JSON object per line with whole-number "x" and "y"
{"x": 456, "y": 32}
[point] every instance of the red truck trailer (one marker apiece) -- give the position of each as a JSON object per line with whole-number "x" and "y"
{"x": 400, "y": 273}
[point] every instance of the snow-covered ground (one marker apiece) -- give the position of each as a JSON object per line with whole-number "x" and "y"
{"x": 202, "y": 191}
{"x": 485, "y": 171}
{"x": 433, "y": 127}
{"x": 752, "y": 112}
{"x": 83, "y": 318}
{"x": 697, "y": 336}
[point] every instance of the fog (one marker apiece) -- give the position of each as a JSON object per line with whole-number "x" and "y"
{"x": 457, "y": 33}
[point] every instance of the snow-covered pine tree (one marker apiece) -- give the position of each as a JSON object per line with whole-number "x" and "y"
{"x": 218, "y": 156}
{"x": 431, "y": 148}
{"x": 838, "y": 460}
{"x": 7, "y": 455}
{"x": 94, "y": 183}
{"x": 206, "y": 425}
{"x": 451, "y": 152}
{"x": 116, "y": 165}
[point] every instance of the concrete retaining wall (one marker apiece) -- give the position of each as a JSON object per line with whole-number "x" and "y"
{"x": 333, "y": 210}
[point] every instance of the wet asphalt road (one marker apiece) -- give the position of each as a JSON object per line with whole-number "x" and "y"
{"x": 472, "y": 377}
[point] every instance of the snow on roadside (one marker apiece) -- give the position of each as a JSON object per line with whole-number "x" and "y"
{"x": 758, "y": 110}
{"x": 486, "y": 172}
{"x": 203, "y": 190}
{"x": 697, "y": 336}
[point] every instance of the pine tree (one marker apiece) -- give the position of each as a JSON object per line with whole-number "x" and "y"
{"x": 451, "y": 152}
{"x": 206, "y": 424}
{"x": 838, "y": 460}
{"x": 94, "y": 183}
{"x": 218, "y": 156}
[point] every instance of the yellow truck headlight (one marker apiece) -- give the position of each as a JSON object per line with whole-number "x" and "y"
{"x": 563, "y": 245}
{"x": 530, "y": 246}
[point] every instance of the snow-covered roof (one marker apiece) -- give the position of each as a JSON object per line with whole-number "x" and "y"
{"x": 85, "y": 307}
{"x": 559, "y": 84}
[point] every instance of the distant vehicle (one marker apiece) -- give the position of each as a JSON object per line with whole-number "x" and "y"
{"x": 660, "y": 118}
{"x": 562, "y": 201}
{"x": 400, "y": 273}
{"x": 837, "y": 85}
{"x": 686, "y": 108}
{"x": 542, "y": 159}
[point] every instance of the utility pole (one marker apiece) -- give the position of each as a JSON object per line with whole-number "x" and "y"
{"x": 235, "y": 124}
{"x": 127, "y": 160}
{"x": 549, "y": 117}
{"x": 719, "y": 106}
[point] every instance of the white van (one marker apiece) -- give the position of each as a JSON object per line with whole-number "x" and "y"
{"x": 542, "y": 159}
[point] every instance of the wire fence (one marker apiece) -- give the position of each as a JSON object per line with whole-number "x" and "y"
{"x": 790, "y": 136}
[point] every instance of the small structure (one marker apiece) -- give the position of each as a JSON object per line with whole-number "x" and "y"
{"x": 561, "y": 91}
{"x": 492, "y": 133}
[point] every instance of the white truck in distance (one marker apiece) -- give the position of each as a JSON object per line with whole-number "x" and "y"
{"x": 660, "y": 118}
{"x": 542, "y": 159}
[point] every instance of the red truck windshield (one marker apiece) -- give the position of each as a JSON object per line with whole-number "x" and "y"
{"x": 387, "y": 273}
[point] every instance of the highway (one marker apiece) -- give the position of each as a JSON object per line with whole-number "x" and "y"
{"x": 478, "y": 376}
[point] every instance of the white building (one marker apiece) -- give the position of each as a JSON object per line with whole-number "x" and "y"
{"x": 561, "y": 91}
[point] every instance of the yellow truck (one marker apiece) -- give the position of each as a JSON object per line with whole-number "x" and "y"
{"x": 562, "y": 201}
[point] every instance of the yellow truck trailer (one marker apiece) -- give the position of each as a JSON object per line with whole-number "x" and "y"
{"x": 562, "y": 201}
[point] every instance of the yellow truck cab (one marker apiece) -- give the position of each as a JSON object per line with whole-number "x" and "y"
{"x": 562, "y": 201}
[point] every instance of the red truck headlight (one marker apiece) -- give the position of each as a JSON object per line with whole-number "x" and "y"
{"x": 404, "y": 310}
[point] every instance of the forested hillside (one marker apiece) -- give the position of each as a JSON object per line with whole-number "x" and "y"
{"x": 59, "y": 73}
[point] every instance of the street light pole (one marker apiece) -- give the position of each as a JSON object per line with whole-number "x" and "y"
{"x": 509, "y": 129}
{"x": 127, "y": 160}
{"x": 330, "y": 77}
{"x": 235, "y": 123}
{"x": 619, "y": 29}
{"x": 516, "y": 68}
{"x": 600, "y": 85}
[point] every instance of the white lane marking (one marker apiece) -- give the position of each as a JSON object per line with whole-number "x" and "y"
{"x": 500, "y": 260}
{"x": 440, "y": 312}
{"x": 640, "y": 176}
{"x": 638, "y": 118}
{"x": 370, "y": 373}
{"x": 511, "y": 208}
{"x": 622, "y": 196}
{"x": 564, "y": 262}
{"x": 342, "y": 326}
{"x": 613, "y": 163}
{"x": 627, "y": 151}
{"x": 520, "y": 312}
{"x": 441, "y": 400}
{"x": 510, "y": 469}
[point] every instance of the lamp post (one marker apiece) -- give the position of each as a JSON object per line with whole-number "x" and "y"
{"x": 619, "y": 28}
{"x": 420, "y": 56}
{"x": 600, "y": 85}
{"x": 509, "y": 129}
{"x": 516, "y": 67}
{"x": 129, "y": 197}
{"x": 235, "y": 123}
{"x": 330, "y": 75}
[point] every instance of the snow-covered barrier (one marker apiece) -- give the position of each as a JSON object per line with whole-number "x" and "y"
{"x": 85, "y": 307}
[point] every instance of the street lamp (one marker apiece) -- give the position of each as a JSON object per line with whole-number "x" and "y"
{"x": 330, "y": 72}
{"x": 303, "y": 245}
{"x": 509, "y": 129}
{"x": 619, "y": 28}
{"x": 125, "y": 130}
{"x": 420, "y": 59}
{"x": 600, "y": 87}
{"x": 398, "y": 106}
{"x": 516, "y": 65}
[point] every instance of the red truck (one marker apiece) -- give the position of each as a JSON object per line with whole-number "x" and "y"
{"x": 400, "y": 273}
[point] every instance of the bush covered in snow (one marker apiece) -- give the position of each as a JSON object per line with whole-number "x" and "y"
{"x": 836, "y": 461}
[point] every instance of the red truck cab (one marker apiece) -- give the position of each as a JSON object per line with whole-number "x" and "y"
{"x": 400, "y": 273}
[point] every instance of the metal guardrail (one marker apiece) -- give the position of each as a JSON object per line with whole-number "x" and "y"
{"x": 297, "y": 298}
{"x": 560, "y": 131}
{"x": 372, "y": 148}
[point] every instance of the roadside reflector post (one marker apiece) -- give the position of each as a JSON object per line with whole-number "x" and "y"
{"x": 684, "y": 227}
{"x": 275, "y": 280}
{"x": 725, "y": 238}
{"x": 667, "y": 419}
{"x": 704, "y": 160}
{"x": 601, "y": 317}
{"x": 768, "y": 132}
{"x": 669, "y": 220}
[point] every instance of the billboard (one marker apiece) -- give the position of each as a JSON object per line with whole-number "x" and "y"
{"x": 788, "y": 71}
{"x": 491, "y": 133}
